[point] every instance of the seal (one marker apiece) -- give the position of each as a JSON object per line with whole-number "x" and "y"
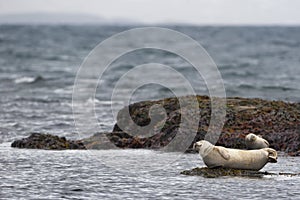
{"x": 255, "y": 142}
{"x": 218, "y": 156}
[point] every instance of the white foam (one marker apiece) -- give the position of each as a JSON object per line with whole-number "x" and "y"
{"x": 25, "y": 80}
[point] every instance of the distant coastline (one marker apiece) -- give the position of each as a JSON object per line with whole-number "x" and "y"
{"x": 59, "y": 19}
{"x": 41, "y": 18}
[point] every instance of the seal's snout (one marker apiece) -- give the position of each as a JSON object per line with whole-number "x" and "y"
{"x": 252, "y": 137}
{"x": 196, "y": 146}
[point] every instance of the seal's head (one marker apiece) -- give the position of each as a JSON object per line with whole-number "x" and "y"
{"x": 203, "y": 147}
{"x": 197, "y": 145}
{"x": 251, "y": 137}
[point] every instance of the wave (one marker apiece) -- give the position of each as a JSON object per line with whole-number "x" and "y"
{"x": 246, "y": 86}
{"x": 66, "y": 90}
{"x": 282, "y": 88}
{"x": 28, "y": 80}
{"x": 287, "y": 43}
{"x": 264, "y": 88}
{"x": 37, "y": 99}
{"x": 239, "y": 73}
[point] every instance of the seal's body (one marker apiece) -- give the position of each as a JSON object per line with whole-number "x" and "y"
{"x": 217, "y": 156}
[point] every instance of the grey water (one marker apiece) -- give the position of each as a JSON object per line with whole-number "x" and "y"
{"x": 38, "y": 66}
{"x": 41, "y": 174}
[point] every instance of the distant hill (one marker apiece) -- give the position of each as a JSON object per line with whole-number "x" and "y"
{"x": 60, "y": 18}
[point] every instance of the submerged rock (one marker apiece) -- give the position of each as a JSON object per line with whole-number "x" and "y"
{"x": 47, "y": 141}
{"x": 218, "y": 172}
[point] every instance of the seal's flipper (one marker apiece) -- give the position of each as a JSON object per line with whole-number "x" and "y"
{"x": 267, "y": 143}
{"x": 223, "y": 152}
{"x": 272, "y": 155}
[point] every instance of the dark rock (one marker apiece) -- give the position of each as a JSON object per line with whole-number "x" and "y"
{"x": 218, "y": 172}
{"x": 276, "y": 121}
{"x": 47, "y": 141}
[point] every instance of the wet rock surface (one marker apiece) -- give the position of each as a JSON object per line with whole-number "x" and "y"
{"x": 276, "y": 121}
{"x": 47, "y": 141}
{"x": 219, "y": 172}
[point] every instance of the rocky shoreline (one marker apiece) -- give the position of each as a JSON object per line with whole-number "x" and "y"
{"x": 276, "y": 121}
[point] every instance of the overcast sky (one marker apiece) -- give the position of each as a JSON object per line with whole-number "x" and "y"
{"x": 284, "y": 12}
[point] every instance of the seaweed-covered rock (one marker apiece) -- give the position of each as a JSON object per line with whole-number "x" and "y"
{"x": 276, "y": 121}
{"x": 47, "y": 141}
{"x": 218, "y": 172}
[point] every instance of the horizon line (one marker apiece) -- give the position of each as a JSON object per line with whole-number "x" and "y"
{"x": 90, "y": 19}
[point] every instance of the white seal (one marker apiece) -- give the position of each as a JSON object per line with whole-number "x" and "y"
{"x": 255, "y": 142}
{"x": 217, "y": 156}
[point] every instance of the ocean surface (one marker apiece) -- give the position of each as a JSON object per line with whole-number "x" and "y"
{"x": 38, "y": 66}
